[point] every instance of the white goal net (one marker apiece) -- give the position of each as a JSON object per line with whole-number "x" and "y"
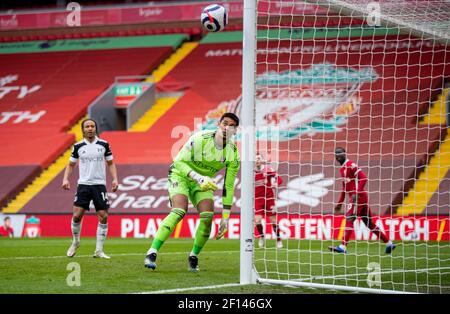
{"x": 371, "y": 77}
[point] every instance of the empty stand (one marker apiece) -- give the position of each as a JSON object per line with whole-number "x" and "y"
{"x": 69, "y": 82}
{"x": 99, "y": 34}
{"x": 48, "y": 92}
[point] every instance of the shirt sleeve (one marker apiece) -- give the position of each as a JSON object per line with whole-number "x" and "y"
{"x": 185, "y": 155}
{"x": 232, "y": 169}
{"x": 74, "y": 156}
{"x": 359, "y": 176}
{"x": 342, "y": 196}
{"x": 362, "y": 180}
{"x": 108, "y": 152}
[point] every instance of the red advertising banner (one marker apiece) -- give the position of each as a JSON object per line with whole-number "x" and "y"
{"x": 142, "y": 13}
{"x": 309, "y": 227}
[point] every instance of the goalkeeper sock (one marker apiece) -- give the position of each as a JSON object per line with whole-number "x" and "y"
{"x": 203, "y": 232}
{"x": 102, "y": 231}
{"x": 76, "y": 230}
{"x": 259, "y": 227}
{"x": 167, "y": 226}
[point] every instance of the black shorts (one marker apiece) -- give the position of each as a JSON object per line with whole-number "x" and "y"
{"x": 95, "y": 193}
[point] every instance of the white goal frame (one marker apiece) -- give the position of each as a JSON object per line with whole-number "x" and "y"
{"x": 248, "y": 273}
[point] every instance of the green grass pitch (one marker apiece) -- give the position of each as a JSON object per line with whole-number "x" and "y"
{"x": 40, "y": 266}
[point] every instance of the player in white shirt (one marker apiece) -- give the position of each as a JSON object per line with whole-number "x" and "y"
{"x": 92, "y": 153}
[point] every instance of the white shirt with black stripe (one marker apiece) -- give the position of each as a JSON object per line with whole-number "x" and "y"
{"x": 92, "y": 158}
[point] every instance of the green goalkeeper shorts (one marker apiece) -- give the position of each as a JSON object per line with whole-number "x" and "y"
{"x": 182, "y": 185}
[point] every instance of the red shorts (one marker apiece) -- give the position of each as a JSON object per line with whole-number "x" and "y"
{"x": 362, "y": 208}
{"x": 265, "y": 208}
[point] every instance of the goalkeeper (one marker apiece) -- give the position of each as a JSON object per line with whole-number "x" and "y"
{"x": 190, "y": 178}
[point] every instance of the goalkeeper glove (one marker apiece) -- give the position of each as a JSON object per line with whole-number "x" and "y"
{"x": 223, "y": 227}
{"x": 206, "y": 183}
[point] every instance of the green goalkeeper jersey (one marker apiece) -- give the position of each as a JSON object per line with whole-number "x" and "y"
{"x": 201, "y": 155}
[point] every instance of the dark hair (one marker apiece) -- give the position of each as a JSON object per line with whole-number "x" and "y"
{"x": 230, "y": 115}
{"x": 86, "y": 120}
{"x": 339, "y": 150}
{"x": 6, "y": 218}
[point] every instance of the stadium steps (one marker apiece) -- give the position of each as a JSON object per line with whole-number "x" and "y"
{"x": 153, "y": 114}
{"x": 164, "y": 103}
{"x": 172, "y": 61}
{"x": 429, "y": 180}
{"x": 437, "y": 113}
{"x": 46, "y": 176}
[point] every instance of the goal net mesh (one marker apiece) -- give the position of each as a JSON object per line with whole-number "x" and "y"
{"x": 371, "y": 77}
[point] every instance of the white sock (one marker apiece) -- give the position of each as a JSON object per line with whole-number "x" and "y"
{"x": 102, "y": 230}
{"x": 152, "y": 250}
{"x": 76, "y": 230}
{"x": 389, "y": 242}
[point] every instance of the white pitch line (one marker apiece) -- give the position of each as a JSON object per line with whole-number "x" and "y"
{"x": 116, "y": 254}
{"x": 189, "y": 289}
{"x": 372, "y": 273}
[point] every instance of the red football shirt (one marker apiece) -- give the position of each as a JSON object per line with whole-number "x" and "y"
{"x": 354, "y": 179}
{"x": 6, "y": 232}
{"x": 265, "y": 181}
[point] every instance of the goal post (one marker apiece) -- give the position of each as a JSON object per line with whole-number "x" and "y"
{"x": 247, "y": 275}
{"x": 372, "y": 77}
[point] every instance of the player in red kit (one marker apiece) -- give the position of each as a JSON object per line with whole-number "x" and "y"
{"x": 353, "y": 185}
{"x": 6, "y": 230}
{"x": 266, "y": 179}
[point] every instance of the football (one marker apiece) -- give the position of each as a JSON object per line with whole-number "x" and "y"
{"x": 214, "y": 18}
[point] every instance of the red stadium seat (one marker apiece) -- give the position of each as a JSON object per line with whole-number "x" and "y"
{"x": 72, "y": 81}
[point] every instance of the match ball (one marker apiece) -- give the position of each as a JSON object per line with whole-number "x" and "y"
{"x": 214, "y": 18}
